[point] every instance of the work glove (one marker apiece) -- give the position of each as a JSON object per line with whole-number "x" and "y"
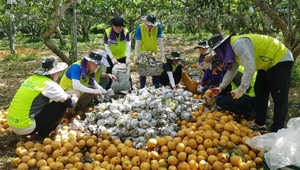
{"x": 200, "y": 88}
{"x": 112, "y": 77}
{"x": 114, "y": 61}
{"x": 74, "y": 99}
{"x": 128, "y": 61}
{"x": 236, "y": 94}
{"x": 99, "y": 91}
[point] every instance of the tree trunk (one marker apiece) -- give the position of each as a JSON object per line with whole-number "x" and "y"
{"x": 46, "y": 35}
{"x": 288, "y": 37}
{"x": 60, "y": 37}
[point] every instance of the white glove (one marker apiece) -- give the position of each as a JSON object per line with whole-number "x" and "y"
{"x": 114, "y": 61}
{"x": 200, "y": 88}
{"x": 99, "y": 91}
{"x": 74, "y": 99}
{"x": 128, "y": 61}
{"x": 112, "y": 77}
{"x": 236, "y": 94}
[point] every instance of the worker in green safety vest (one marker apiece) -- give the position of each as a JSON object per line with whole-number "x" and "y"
{"x": 148, "y": 36}
{"x": 40, "y": 103}
{"x": 117, "y": 44}
{"x": 273, "y": 62}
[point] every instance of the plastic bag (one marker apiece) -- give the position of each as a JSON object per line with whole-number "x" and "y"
{"x": 282, "y": 148}
{"x": 122, "y": 74}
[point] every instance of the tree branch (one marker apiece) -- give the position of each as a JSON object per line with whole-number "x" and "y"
{"x": 281, "y": 24}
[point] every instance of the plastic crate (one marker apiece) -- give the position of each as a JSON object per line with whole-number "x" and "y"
{"x": 189, "y": 83}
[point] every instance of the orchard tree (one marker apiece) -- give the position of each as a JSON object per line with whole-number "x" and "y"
{"x": 59, "y": 12}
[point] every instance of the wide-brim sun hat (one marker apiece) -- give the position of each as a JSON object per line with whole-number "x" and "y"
{"x": 150, "y": 19}
{"x": 98, "y": 57}
{"x": 216, "y": 40}
{"x": 202, "y": 44}
{"x": 175, "y": 55}
{"x": 51, "y": 66}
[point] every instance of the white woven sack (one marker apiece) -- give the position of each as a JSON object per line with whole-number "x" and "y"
{"x": 122, "y": 74}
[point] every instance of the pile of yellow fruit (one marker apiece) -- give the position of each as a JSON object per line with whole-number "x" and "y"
{"x": 214, "y": 140}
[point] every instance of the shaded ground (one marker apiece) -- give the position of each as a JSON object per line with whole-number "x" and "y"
{"x": 12, "y": 74}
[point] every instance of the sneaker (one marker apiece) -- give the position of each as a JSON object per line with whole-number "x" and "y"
{"x": 256, "y": 127}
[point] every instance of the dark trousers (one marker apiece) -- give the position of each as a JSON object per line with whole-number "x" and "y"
{"x": 155, "y": 81}
{"x": 49, "y": 118}
{"x": 109, "y": 70}
{"x": 164, "y": 78}
{"x": 275, "y": 81}
{"x": 241, "y": 106}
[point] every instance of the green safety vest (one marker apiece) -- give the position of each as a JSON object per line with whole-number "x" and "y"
{"x": 118, "y": 50}
{"x": 149, "y": 39}
{"x": 268, "y": 51}
{"x": 28, "y": 102}
{"x": 66, "y": 83}
{"x": 250, "y": 92}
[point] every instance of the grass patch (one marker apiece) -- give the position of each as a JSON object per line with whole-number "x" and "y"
{"x": 295, "y": 80}
{"x": 19, "y": 58}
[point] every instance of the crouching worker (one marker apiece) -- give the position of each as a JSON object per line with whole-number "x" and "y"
{"x": 172, "y": 71}
{"x": 244, "y": 105}
{"x": 40, "y": 103}
{"x": 79, "y": 78}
